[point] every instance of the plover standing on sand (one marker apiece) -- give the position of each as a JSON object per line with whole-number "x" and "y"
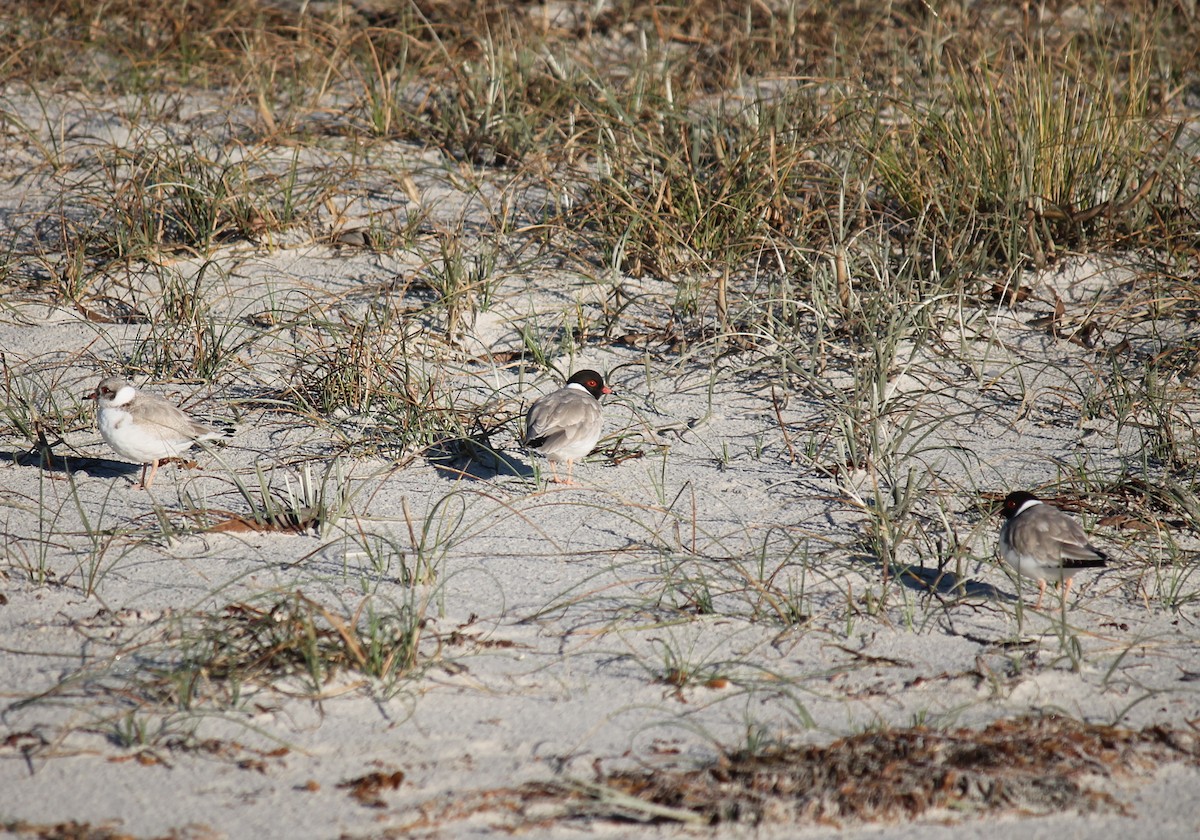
{"x": 1041, "y": 542}
{"x": 565, "y": 425}
{"x": 144, "y": 428}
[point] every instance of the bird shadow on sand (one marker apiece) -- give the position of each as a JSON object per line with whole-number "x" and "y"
{"x": 950, "y": 585}
{"x": 47, "y": 461}
{"x": 939, "y": 582}
{"x": 476, "y": 460}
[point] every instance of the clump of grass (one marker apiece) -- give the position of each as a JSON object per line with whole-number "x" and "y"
{"x": 162, "y": 195}
{"x": 379, "y": 364}
{"x": 126, "y": 212}
{"x": 1148, "y": 394}
{"x": 1031, "y": 152}
{"x": 879, "y": 441}
{"x": 127, "y": 46}
{"x": 462, "y": 276}
{"x": 716, "y": 46}
{"x": 766, "y": 585}
{"x": 681, "y": 666}
{"x": 285, "y": 642}
{"x": 32, "y": 408}
{"x": 188, "y": 333}
{"x": 491, "y": 112}
{"x": 360, "y": 362}
{"x": 693, "y": 189}
{"x": 295, "y": 643}
{"x": 307, "y": 504}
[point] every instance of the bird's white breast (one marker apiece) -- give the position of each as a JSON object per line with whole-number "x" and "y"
{"x": 137, "y": 442}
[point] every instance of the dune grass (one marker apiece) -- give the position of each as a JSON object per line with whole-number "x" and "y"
{"x": 867, "y": 214}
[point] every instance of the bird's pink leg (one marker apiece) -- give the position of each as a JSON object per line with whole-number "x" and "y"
{"x": 146, "y": 482}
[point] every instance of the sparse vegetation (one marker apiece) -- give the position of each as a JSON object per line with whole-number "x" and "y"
{"x": 855, "y": 272}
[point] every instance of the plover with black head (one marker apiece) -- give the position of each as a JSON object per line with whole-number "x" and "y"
{"x": 565, "y": 425}
{"x": 1041, "y": 542}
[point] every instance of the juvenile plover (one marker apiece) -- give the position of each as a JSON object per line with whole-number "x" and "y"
{"x": 145, "y": 428}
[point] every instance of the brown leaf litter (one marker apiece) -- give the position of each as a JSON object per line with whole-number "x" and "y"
{"x": 1025, "y": 766}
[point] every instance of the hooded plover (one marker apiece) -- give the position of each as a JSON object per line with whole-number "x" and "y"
{"x": 1043, "y": 543}
{"x": 565, "y": 425}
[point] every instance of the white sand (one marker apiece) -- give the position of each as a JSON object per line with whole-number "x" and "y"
{"x": 571, "y": 604}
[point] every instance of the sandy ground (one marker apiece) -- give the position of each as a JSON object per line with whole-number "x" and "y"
{"x": 561, "y": 618}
